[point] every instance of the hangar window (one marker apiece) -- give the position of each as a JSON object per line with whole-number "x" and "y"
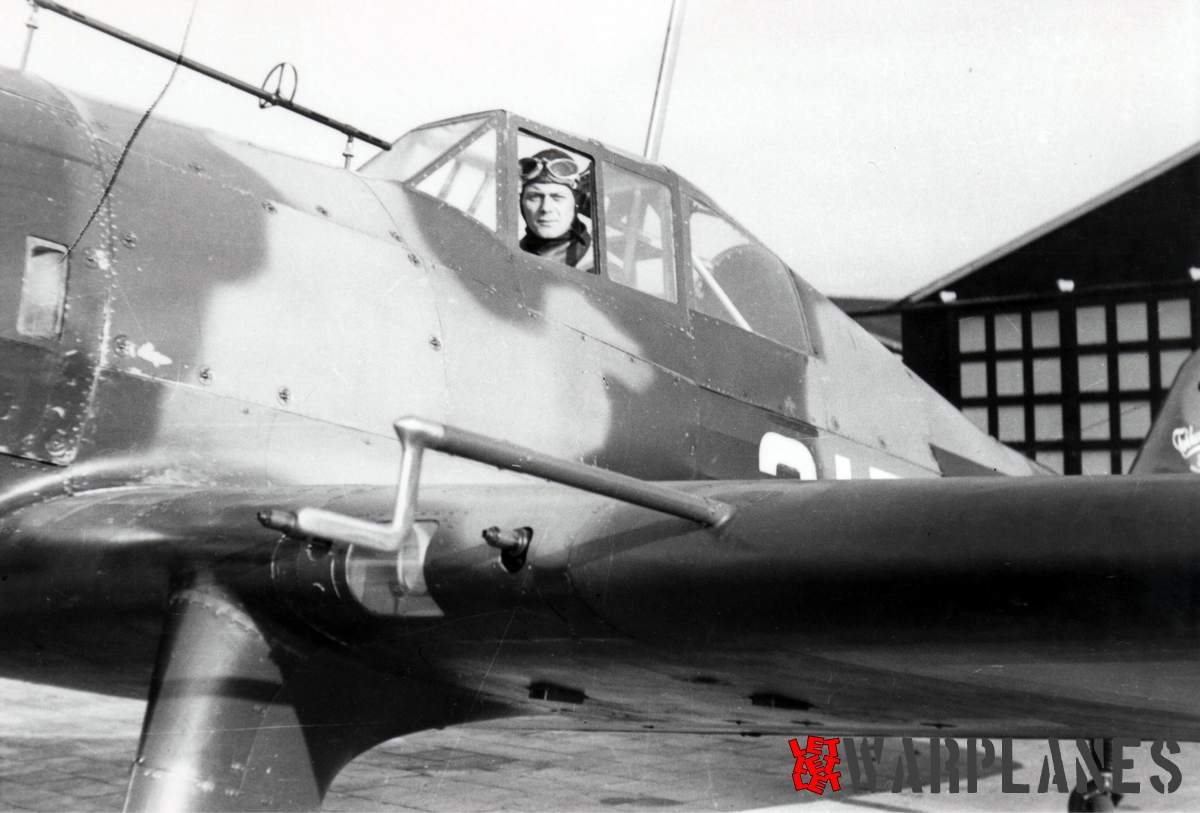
{"x": 1008, "y": 331}
{"x": 1011, "y": 423}
{"x": 1091, "y": 462}
{"x": 1133, "y": 371}
{"x": 1090, "y": 325}
{"x": 972, "y": 334}
{"x": 1052, "y": 460}
{"x": 1078, "y": 384}
{"x": 1010, "y": 377}
{"x": 1135, "y": 419}
{"x": 973, "y": 379}
{"x": 977, "y": 416}
{"x": 1174, "y": 319}
{"x": 1043, "y": 330}
{"x": 1169, "y": 363}
{"x": 1048, "y": 422}
{"x": 736, "y": 280}
{"x": 1047, "y": 376}
{"x": 1131, "y": 322}
{"x": 1093, "y": 373}
{"x": 1094, "y": 421}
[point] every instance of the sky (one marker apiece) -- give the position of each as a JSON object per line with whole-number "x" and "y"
{"x": 875, "y": 146}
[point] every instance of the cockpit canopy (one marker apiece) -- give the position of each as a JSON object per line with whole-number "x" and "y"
{"x": 634, "y": 223}
{"x": 455, "y": 161}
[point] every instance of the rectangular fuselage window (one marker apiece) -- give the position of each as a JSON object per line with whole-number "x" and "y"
{"x": 43, "y": 289}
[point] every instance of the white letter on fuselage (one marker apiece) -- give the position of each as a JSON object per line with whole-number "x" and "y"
{"x": 775, "y": 450}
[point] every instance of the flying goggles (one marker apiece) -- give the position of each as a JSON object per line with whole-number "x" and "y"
{"x": 559, "y": 170}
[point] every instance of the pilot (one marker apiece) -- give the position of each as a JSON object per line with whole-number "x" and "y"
{"x": 553, "y": 192}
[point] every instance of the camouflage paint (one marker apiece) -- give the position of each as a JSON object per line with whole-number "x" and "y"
{"x": 242, "y": 328}
{"x": 309, "y": 307}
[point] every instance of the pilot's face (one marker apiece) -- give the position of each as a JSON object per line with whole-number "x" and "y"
{"x": 548, "y": 209}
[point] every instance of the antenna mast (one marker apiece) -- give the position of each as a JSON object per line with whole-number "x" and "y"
{"x": 662, "y": 88}
{"x": 32, "y": 25}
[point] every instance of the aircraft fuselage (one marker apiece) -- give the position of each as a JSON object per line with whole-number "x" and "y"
{"x": 231, "y": 315}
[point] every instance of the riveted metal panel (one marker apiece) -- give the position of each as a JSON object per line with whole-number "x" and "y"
{"x": 50, "y": 190}
{"x": 774, "y": 379}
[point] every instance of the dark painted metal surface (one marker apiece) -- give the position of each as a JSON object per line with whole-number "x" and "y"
{"x": 222, "y": 276}
{"x": 812, "y": 590}
{"x": 51, "y": 178}
{"x": 1173, "y": 445}
{"x": 776, "y": 380}
{"x": 246, "y": 715}
{"x": 220, "y": 670}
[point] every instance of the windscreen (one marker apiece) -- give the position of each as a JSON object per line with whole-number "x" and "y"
{"x": 416, "y": 150}
{"x": 454, "y": 162}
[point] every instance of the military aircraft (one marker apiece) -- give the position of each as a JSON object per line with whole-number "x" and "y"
{"x": 678, "y": 491}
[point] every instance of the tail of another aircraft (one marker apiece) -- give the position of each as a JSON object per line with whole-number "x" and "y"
{"x": 1173, "y": 445}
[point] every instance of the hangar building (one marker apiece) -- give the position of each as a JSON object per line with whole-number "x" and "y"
{"x": 1064, "y": 342}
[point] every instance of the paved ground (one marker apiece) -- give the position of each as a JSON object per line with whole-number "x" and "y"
{"x": 68, "y": 750}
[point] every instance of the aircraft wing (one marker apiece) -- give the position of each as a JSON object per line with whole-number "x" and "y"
{"x": 973, "y": 606}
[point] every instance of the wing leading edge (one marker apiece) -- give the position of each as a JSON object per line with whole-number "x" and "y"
{"x": 1016, "y": 593}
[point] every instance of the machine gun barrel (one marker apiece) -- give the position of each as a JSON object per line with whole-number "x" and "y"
{"x": 213, "y": 73}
